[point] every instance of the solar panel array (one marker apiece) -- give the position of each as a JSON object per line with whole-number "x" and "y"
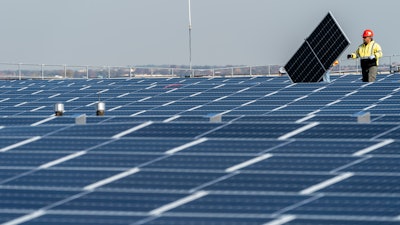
{"x": 283, "y": 153}
{"x": 317, "y": 54}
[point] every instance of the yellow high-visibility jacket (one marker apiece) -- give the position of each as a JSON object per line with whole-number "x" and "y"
{"x": 364, "y": 51}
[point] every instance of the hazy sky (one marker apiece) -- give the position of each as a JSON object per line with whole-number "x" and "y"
{"x": 139, "y": 32}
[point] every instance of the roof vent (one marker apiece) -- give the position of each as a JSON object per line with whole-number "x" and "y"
{"x": 59, "y": 109}
{"x": 100, "y": 108}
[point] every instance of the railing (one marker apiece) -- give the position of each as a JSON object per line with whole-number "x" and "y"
{"x": 388, "y": 64}
{"x": 45, "y": 71}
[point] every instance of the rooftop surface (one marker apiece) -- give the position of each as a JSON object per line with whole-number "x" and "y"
{"x": 215, "y": 151}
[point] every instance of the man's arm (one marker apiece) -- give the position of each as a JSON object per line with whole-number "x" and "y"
{"x": 377, "y": 51}
{"x": 353, "y": 55}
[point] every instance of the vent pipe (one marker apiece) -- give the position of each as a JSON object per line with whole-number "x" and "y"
{"x": 59, "y": 109}
{"x": 100, "y": 108}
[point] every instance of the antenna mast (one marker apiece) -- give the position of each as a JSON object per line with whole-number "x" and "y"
{"x": 190, "y": 39}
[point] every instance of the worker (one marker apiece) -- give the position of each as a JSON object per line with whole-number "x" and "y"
{"x": 327, "y": 75}
{"x": 369, "y": 52}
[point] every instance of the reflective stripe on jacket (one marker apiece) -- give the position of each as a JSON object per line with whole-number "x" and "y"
{"x": 364, "y": 51}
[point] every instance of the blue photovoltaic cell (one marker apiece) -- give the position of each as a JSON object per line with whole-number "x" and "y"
{"x": 137, "y": 119}
{"x": 163, "y": 180}
{"x": 239, "y": 204}
{"x": 304, "y": 163}
{"x": 18, "y": 121}
{"x": 253, "y": 131}
{"x": 268, "y": 182}
{"x": 5, "y": 142}
{"x": 27, "y": 159}
{"x": 28, "y": 131}
{"x": 62, "y": 144}
{"x": 232, "y": 147}
{"x": 109, "y": 160}
{"x": 5, "y": 217}
{"x": 345, "y": 131}
{"x": 105, "y": 131}
{"x": 209, "y": 221}
{"x": 323, "y": 147}
{"x": 120, "y": 201}
{"x": 261, "y": 119}
{"x": 151, "y": 145}
{"x": 395, "y": 134}
{"x": 198, "y": 162}
{"x": 187, "y": 130}
{"x": 367, "y": 184}
{"x": 351, "y": 206}
{"x": 71, "y": 120}
{"x": 377, "y": 165}
{"x": 84, "y": 220}
{"x": 30, "y": 199}
{"x": 391, "y": 149}
{"x": 339, "y": 222}
{"x": 6, "y": 174}
{"x": 61, "y": 178}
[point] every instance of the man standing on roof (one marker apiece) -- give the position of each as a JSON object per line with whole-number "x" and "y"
{"x": 369, "y": 52}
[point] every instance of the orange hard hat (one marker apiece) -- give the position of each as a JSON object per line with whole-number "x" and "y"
{"x": 368, "y": 33}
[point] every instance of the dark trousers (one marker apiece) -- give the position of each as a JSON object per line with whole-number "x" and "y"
{"x": 369, "y": 73}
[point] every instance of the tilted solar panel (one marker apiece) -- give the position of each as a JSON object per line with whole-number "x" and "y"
{"x": 318, "y": 52}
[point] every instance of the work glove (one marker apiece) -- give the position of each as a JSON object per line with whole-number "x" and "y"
{"x": 371, "y": 57}
{"x": 349, "y": 56}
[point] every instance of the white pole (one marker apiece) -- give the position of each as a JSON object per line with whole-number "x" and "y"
{"x": 190, "y": 16}
{"x": 190, "y": 39}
